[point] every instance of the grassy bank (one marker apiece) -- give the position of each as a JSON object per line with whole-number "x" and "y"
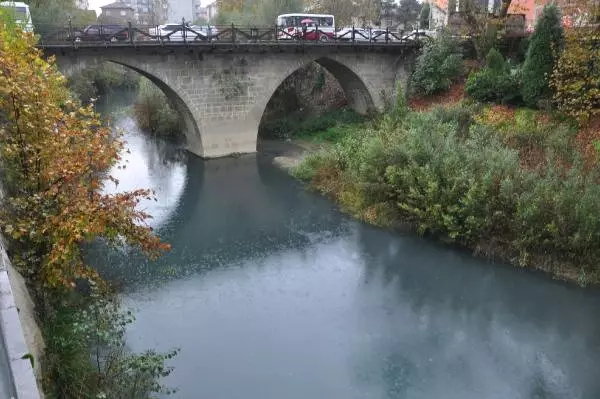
{"x": 508, "y": 184}
{"x": 328, "y": 126}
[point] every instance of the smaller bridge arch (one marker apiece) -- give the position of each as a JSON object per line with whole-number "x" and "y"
{"x": 222, "y": 95}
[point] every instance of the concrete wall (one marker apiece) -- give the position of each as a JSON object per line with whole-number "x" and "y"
{"x": 19, "y": 332}
{"x": 222, "y": 96}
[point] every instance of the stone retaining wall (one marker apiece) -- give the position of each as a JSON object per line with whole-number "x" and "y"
{"x": 18, "y": 329}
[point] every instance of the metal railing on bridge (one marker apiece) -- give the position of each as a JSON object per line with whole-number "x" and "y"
{"x": 69, "y": 34}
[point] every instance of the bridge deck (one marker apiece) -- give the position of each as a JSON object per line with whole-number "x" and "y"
{"x": 273, "y": 46}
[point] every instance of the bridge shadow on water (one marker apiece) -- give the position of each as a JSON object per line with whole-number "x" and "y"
{"x": 230, "y": 210}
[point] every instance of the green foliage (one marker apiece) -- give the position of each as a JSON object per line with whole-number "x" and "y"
{"x": 409, "y": 11}
{"x": 439, "y": 65}
{"x": 494, "y": 82}
{"x": 154, "y": 112}
{"x": 96, "y": 325}
{"x": 257, "y": 12}
{"x": 540, "y": 60}
{"x": 470, "y": 188}
{"x": 47, "y": 15}
{"x": 101, "y": 80}
{"x": 327, "y": 126}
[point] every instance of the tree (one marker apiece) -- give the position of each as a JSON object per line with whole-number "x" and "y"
{"x": 348, "y": 13}
{"x": 256, "y": 12}
{"x": 541, "y": 56}
{"x": 55, "y": 155}
{"x": 409, "y": 11}
{"x": 438, "y": 66}
{"x": 575, "y": 78}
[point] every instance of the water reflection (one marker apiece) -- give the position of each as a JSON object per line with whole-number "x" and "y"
{"x": 271, "y": 293}
{"x": 152, "y": 164}
{"x": 466, "y": 329}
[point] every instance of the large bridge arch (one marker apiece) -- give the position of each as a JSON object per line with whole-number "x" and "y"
{"x": 172, "y": 92}
{"x": 222, "y": 95}
{"x": 358, "y": 95}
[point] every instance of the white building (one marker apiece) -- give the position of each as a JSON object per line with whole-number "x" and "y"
{"x": 82, "y": 4}
{"x": 211, "y": 11}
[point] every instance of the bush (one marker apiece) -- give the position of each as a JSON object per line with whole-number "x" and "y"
{"x": 86, "y": 352}
{"x": 327, "y": 126}
{"x": 544, "y": 46}
{"x": 494, "y": 82}
{"x": 575, "y": 78}
{"x": 154, "y": 112}
{"x": 439, "y": 66}
{"x": 471, "y": 188}
{"x": 102, "y": 79}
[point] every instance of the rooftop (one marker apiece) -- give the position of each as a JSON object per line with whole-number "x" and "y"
{"x": 116, "y": 5}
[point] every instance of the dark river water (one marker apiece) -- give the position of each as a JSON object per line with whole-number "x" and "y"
{"x": 272, "y": 293}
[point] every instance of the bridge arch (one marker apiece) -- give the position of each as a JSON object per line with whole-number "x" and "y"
{"x": 193, "y": 136}
{"x": 359, "y": 98}
{"x": 192, "y": 130}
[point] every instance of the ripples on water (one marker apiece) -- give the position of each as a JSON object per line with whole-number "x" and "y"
{"x": 271, "y": 293}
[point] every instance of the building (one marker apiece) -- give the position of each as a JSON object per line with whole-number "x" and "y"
{"x": 179, "y": 9}
{"x": 116, "y": 13}
{"x": 148, "y": 12}
{"x": 200, "y": 13}
{"x": 82, "y": 4}
{"x": 441, "y": 10}
{"x": 211, "y": 11}
{"x": 573, "y": 14}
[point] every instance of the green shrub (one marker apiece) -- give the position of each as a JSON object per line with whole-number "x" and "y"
{"x": 541, "y": 56}
{"x": 86, "y": 353}
{"x": 154, "y": 112}
{"x": 102, "y": 79}
{"x": 439, "y": 66}
{"x": 328, "y": 126}
{"x": 494, "y": 82}
{"x": 471, "y": 187}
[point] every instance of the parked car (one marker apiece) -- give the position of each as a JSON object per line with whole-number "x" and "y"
{"x": 101, "y": 33}
{"x": 208, "y": 30}
{"x": 364, "y": 35}
{"x": 420, "y": 35}
{"x": 177, "y": 33}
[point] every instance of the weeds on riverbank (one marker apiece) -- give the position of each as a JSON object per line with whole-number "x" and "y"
{"x": 87, "y": 356}
{"x": 154, "y": 113}
{"x": 467, "y": 179}
{"x": 326, "y": 127}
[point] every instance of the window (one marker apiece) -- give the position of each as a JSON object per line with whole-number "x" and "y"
{"x": 123, "y": 13}
{"x": 108, "y": 12}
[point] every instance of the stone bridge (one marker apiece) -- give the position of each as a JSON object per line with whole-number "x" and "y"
{"x": 221, "y": 93}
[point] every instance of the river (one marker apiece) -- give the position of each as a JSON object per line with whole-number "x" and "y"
{"x": 272, "y": 293}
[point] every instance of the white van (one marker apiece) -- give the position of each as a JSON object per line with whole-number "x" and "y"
{"x": 21, "y": 12}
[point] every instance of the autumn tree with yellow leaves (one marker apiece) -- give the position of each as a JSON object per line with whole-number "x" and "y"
{"x": 55, "y": 155}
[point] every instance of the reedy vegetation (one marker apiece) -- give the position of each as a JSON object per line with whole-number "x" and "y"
{"x": 55, "y": 155}
{"x": 464, "y": 182}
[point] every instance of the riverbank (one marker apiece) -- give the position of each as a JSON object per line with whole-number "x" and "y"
{"x": 515, "y": 188}
{"x": 288, "y": 154}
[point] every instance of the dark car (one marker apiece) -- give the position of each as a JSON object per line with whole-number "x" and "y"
{"x": 102, "y": 33}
